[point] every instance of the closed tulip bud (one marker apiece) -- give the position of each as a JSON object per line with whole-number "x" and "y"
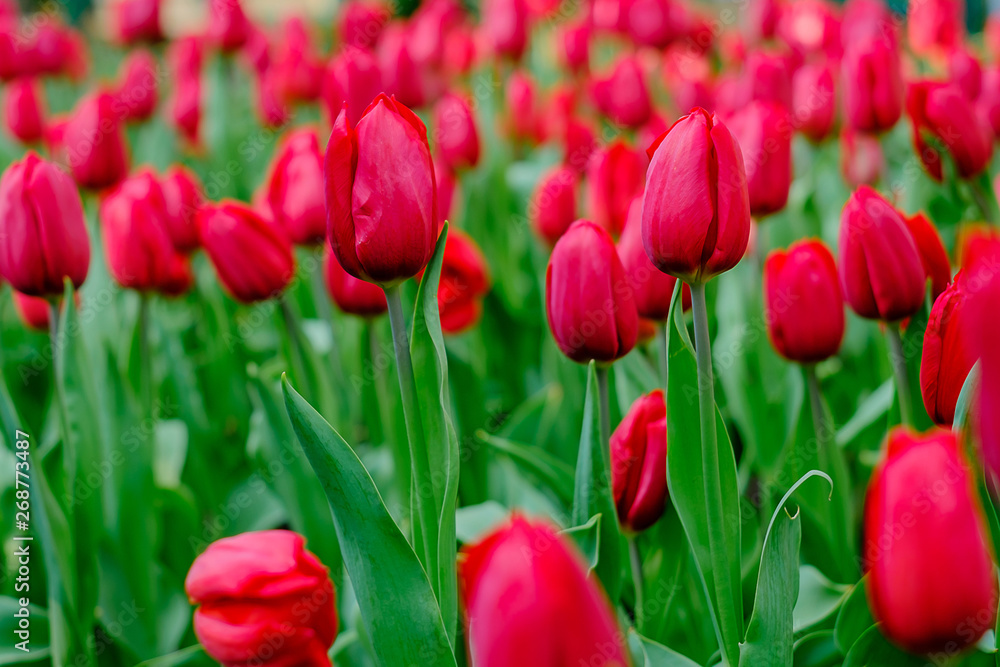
{"x": 651, "y": 22}
{"x": 861, "y": 159}
{"x": 575, "y": 42}
{"x": 353, "y": 296}
{"x": 137, "y": 21}
{"x": 811, "y": 28}
{"x": 136, "y": 95}
{"x": 760, "y": 20}
{"x": 947, "y": 355}
{"x": 814, "y": 105}
{"x": 934, "y": 257}
{"x": 639, "y": 463}
{"x": 412, "y": 82}
{"x": 352, "y": 81}
{"x": 24, "y": 110}
{"x": 362, "y": 21}
{"x": 455, "y": 134}
{"x": 465, "y": 280}
{"x": 506, "y": 25}
{"x": 942, "y": 116}
{"x": 446, "y": 184}
{"x": 651, "y": 288}
{"x": 182, "y": 198}
{"x": 298, "y": 70}
{"x": 931, "y": 580}
{"x": 622, "y": 95}
{"x": 765, "y": 137}
{"x": 295, "y": 187}
{"x": 43, "y": 237}
{"x": 253, "y": 259}
{"x": 272, "y": 108}
{"x": 589, "y": 302}
{"x": 184, "y": 61}
{"x": 521, "y": 113}
{"x": 580, "y": 144}
{"x": 804, "y": 306}
{"x": 228, "y": 26}
{"x": 696, "y": 209}
{"x": 933, "y": 25}
{"x": 256, "y": 588}
{"x": 95, "y": 142}
{"x": 768, "y": 76}
{"x": 965, "y": 71}
{"x": 873, "y": 85}
{"x": 34, "y": 311}
{"x": 552, "y": 208}
{"x": 881, "y": 271}
{"x": 615, "y": 177}
{"x": 988, "y": 102}
{"x": 528, "y": 601}
{"x": 981, "y": 275}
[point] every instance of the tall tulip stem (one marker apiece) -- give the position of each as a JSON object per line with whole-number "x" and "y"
{"x": 57, "y": 372}
{"x": 986, "y": 201}
{"x": 635, "y": 559}
{"x": 605, "y": 404}
{"x": 898, "y": 359}
{"x": 145, "y": 358}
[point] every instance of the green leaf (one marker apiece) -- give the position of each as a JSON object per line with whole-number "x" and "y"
{"x": 872, "y": 410}
{"x": 854, "y": 618}
{"x": 818, "y": 598}
{"x": 913, "y": 347}
{"x": 474, "y": 522}
{"x": 187, "y": 657}
{"x": 588, "y": 539}
{"x": 400, "y": 613}
{"x": 872, "y": 649}
{"x": 966, "y": 398}
{"x": 592, "y": 492}
{"x": 817, "y": 650}
{"x": 549, "y": 470}
{"x": 648, "y": 653}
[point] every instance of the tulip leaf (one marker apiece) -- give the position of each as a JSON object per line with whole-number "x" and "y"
{"x": 872, "y": 649}
{"x": 913, "y": 352}
{"x": 817, "y": 649}
{"x": 966, "y": 398}
{"x": 588, "y": 539}
{"x": 854, "y": 618}
{"x": 648, "y": 653}
{"x": 592, "y": 493}
{"x": 552, "y": 472}
{"x": 192, "y": 656}
{"x": 398, "y": 608}
{"x": 474, "y": 522}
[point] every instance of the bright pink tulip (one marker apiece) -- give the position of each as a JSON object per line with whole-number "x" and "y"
{"x": 137, "y": 21}
{"x": 228, "y": 26}
{"x": 182, "y": 198}
{"x": 932, "y": 253}
{"x": 506, "y": 26}
{"x": 965, "y": 71}
{"x": 136, "y": 95}
{"x": 34, "y": 311}
{"x": 814, "y": 100}
{"x": 935, "y": 25}
{"x": 947, "y": 355}
{"x": 184, "y": 61}
{"x": 651, "y": 288}
{"x": 361, "y": 22}
{"x": 575, "y": 41}
{"x": 861, "y": 159}
{"x": 298, "y": 70}
{"x": 465, "y": 280}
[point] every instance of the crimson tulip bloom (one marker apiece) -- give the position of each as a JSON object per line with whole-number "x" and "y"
{"x": 184, "y": 61}
{"x": 939, "y": 111}
{"x": 589, "y": 301}
{"x": 353, "y": 80}
{"x": 24, "y": 110}
{"x": 932, "y": 253}
{"x": 931, "y": 581}
{"x": 988, "y": 102}
{"x": 615, "y": 177}
{"x": 981, "y": 258}
{"x": 552, "y": 208}
{"x": 182, "y": 197}
{"x": 297, "y": 68}
{"x": 137, "y": 21}
{"x": 935, "y": 25}
{"x": 767, "y": 76}
{"x": 353, "y": 296}
{"x": 455, "y": 134}
{"x": 95, "y": 142}
{"x": 253, "y": 259}
{"x": 135, "y": 98}
{"x": 255, "y": 587}
{"x": 639, "y": 463}
{"x": 804, "y": 306}
{"x": 861, "y": 159}
{"x": 881, "y": 270}
{"x": 34, "y": 311}
{"x": 622, "y": 95}
{"x": 405, "y": 75}
{"x": 873, "y": 85}
{"x": 361, "y": 23}
{"x": 765, "y": 137}
{"x": 521, "y": 113}
{"x": 652, "y": 22}
{"x": 651, "y": 288}
{"x": 506, "y": 25}
{"x": 529, "y": 601}
{"x": 228, "y": 26}
{"x": 965, "y": 71}
{"x": 696, "y": 208}
{"x": 381, "y": 198}
{"x": 947, "y": 355}
{"x": 465, "y": 280}
{"x": 43, "y": 237}
{"x": 814, "y": 100}
{"x": 575, "y": 42}
{"x": 295, "y": 188}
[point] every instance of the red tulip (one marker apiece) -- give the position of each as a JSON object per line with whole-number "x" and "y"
{"x": 362, "y": 21}
{"x": 43, "y": 237}
{"x": 506, "y": 26}
{"x": 760, "y": 20}
{"x": 34, "y": 311}
{"x": 254, "y": 259}
{"x": 135, "y": 98}
{"x": 814, "y": 100}
{"x": 935, "y": 24}
{"x": 651, "y": 22}
{"x": 228, "y": 26}
{"x": 589, "y": 302}
{"x": 580, "y": 144}
{"x": 622, "y": 95}
{"x": 873, "y": 85}
{"x": 182, "y": 198}
{"x": 455, "y": 134}
{"x": 804, "y": 307}
{"x": 639, "y": 463}
{"x": 947, "y": 354}
{"x": 881, "y": 270}
{"x": 988, "y": 102}
{"x": 446, "y": 184}
{"x": 465, "y": 280}
{"x": 351, "y": 295}
{"x": 298, "y": 70}
{"x": 24, "y": 110}
{"x": 981, "y": 277}
{"x": 764, "y": 134}
{"x": 811, "y": 28}
{"x": 941, "y": 113}
{"x": 528, "y": 601}
{"x": 295, "y": 187}
{"x": 184, "y": 61}
{"x": 767, "y": 76}
{"x": 137, "y": 21}
{"x": 552, "y": 208}
{"x": 381, "y": 199}
{"x": 521, "y": 113}
{"x": 931, "y": 581}
{"x": 614, "y": 178}
{"x": 696, "y": 208}
{"x": 352, "y": 79}
{"x": 255, "y": 587}
{"x": 932, "y": 253}
{"x": 965, "y": 71}
{"x": 861, "y": 158}
{"x": 575, "y": 42}
{"x": 651, "y": 288}
{"x": 273, "y": 108}
{"x": 413, "y": 82}
{"x": 95, "y": 142}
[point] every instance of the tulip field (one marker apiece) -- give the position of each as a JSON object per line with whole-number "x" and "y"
{"x": 512, "y": 333}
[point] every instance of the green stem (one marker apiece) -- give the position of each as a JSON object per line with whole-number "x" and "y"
{"x": 635, "y": 560}
{"x": 898, "y": 359}
{"x": 57, "y": 371}
{"x": 605, "y": 404}
{"x": 145, "y": 358}
{"x": 985, "y": 199}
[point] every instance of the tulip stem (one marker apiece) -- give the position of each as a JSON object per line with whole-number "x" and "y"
{"x": 57, "y": 373}
{"x": 295, "y": 353}
{"x": 898, "y": 359}
{"x": 145, "y": 358}
{"x": 985, "y": 200}
{"x": 605, "y": 404}
{"x": 635, "y": 559}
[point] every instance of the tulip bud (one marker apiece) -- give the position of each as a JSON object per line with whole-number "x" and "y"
{"x": 696, "y": 209}
{"x": 353, "y": 80}
{"x": 881, "y": 270}
{"x": 506, "y": 25}
{"x": 228, "y": 26}
{"x": 361, "y": 23}
{"x": 182, "y": 198}
{"x": 981, "y": 277}
{"x": 589, "y": 302}
{"x": 252, "y": 258}
{"x": 932, "y": 253}
{"x": 521, "y": 113}
{"x": 764, "y": 134}
{"x": 297, "y": 69}
{"x": 136, "y": 95}
{"x": 575, "y": 42}
{"x": 553, "y": 206}
{"x": 988, "y": 102}
{"x": 254, "y": 588}
{"x": 295, "y": 187}
{"x": 942, "y": 116}
{"x": 34, "y": 311}
{"x": 381, "y": 200}
{"x": 760, "y": 20}
{"x": 446, "y": 184}
{"x": 861, "y": 159}
{"x": 811, "y": 28}
{"x": 768, "y": 76}
{"x": 965, "y": 71}
{"x": 873, "y": 85}
{"x": 137, "y": 21}
{"x": 455, "y": 134}
{"x": 651, "y": 22}
{"x": 351, "y": 295}
{"x": 96, "y": 144}
{"x": 804, "y": 307}
{"x": 935, "y": 25}
{"x": 639, "y": 463}
{"x": 814, "y": 100}
{"x": 622, "y": 95}
{"x": 615, "y": 177}
{"x": 528, "y": 601}
{"x": 931, "y": 581}
{"x": 465, "y": 280}
{"x": 651, "y": 288}
{"x": 43, "y": 237}
{"x": 947, "y": 355}
{"x": 580, "y": 144}
{"x": 184, "y": 61}
{"x": 24, "y": 110}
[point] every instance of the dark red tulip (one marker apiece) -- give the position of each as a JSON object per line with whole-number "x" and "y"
{"x": 353, "y": 296}
{"x": 639, "y": 463}
{"x": 764, "y": 134}
{"x": 552, "y": 208}
{"x": 404, "y": 75}
{"x": 381, "y": 198}
{"x": 295, "y": 187}
{"x": 941, "y": 114}
{"x": 589, "y": 302}
{"x": 981, "y": 276}
{"x": 465, "y": 280}
{"x": 24, "y": 110}
{"x": 932, "y": 253}
{"x": 137, "y": 21}
{"x": 43, "y": 237}
{"x": 528, "y": 601}
{"x": 622, "y": 95}
{"x": 615, "y": 177}
{"x": 506, "y": 26}
{"x": 872, "y": 85}
{"x": 947, "y": 355}
{"x": 34, "y": 311}
{"x": 361, "y": 23}
{"x": 804, "y": 306}
{"x": 965, "y": 71}
{"x": 298, "y": 70}
{"x": 253, "y": 259}
{"x": 575, "y": 41}
{"x": 935, "y": 25}
{"x": 455, "y": 134}
{"x": 262, "y": 594}
{"x": 861, "y": 159}
{"x": 184, "y": 61}
{"x": 651, "y": 288}
{"x": 228, "y": 26}
{"x": 136, "y": 96}
{"x": 182, "y": 198}
{"x": 352, "y": 79}
{"x": 814, "y": 100}
{"x": 696, "y": 208}
{"x": 931, "y": 580}
{"x": 95, "y": 142}
{"x": 881, "y": 270}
